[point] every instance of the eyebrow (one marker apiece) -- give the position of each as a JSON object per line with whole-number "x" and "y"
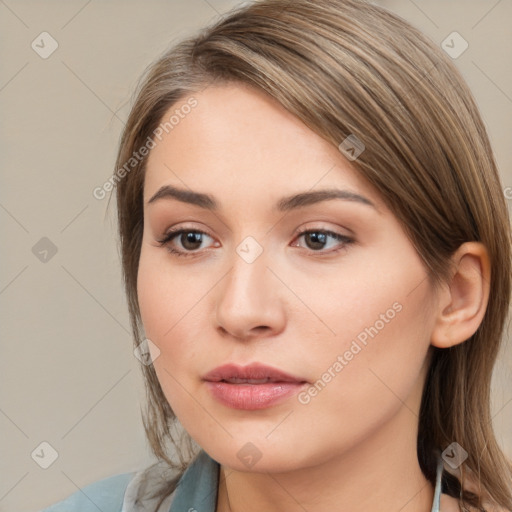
{"x": 288, "y": 203}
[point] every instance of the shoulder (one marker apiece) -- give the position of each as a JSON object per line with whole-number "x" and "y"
{"x": 106, "y": 494}
{"x": 156, "y": 487}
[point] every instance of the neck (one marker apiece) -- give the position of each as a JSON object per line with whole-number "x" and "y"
{"x": 380, "y": 473}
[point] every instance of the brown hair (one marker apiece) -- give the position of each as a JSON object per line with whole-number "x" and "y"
{"x": 348, "y": 67}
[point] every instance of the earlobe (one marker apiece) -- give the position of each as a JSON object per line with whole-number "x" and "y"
{"x": 462, "y": 302}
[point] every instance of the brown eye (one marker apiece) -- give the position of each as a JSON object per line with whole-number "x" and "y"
{"x": 190, "y": 241}
{"x": 317, "y": 239}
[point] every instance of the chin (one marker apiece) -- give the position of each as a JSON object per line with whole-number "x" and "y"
{"x": 261, "y": 455}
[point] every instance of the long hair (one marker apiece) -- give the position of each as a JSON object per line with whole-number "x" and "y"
{"x": 348, "y": 67}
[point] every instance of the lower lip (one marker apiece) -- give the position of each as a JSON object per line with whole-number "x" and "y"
{"x": 253, "y": 396}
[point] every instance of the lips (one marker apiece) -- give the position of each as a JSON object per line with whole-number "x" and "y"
{"x": 255, "y": 373}
{"x": 251, "y": 387}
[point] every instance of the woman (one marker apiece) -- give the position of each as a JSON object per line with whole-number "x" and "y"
{"x": 316, "y": 252}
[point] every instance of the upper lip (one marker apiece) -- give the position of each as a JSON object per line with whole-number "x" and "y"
{"x": 254, "y": 371}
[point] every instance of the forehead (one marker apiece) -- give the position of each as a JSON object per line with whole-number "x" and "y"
{"x": 238, "y": 140}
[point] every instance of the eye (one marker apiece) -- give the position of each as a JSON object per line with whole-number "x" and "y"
{"x": 190, "y": 240}
{"x": 316, "y": 239}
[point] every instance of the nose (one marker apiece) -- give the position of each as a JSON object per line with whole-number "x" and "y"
{"x": 250, "y": 302}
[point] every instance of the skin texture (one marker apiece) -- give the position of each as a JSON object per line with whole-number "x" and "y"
{"x": 295, "y": 310}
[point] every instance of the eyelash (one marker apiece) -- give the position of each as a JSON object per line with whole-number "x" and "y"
{"x": 174, "y": 233}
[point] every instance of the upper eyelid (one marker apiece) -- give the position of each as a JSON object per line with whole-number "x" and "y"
{"x": 176, "y": 231}
{"x": 299, "y": 231}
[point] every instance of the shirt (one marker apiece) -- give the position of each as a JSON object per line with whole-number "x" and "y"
{"x": 196, "y": 492}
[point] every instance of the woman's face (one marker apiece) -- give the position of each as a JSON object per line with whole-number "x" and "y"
{"x": 343, "y": 309}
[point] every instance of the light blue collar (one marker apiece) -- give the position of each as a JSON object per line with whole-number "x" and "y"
{"x": 197, "y": 488}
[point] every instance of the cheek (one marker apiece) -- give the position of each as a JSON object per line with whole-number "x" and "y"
{"x": 378, "y": 310}
{"x": 165, "y": 296}
{"x": 172, "y": 312}
{"x": 374, "y": 363}
{"x": 365, "y": 298}
{"x": 165, "y": 303}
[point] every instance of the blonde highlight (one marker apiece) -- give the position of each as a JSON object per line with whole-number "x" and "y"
{"x": 350, "y": 67}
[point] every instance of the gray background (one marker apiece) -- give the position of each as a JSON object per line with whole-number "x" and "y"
{"x": 68, "y": 373}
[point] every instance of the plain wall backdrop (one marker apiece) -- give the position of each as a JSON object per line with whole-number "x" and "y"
{"x": 69, "y": 377}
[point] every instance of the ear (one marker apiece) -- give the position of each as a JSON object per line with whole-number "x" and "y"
{"x": 463, "y": 300}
